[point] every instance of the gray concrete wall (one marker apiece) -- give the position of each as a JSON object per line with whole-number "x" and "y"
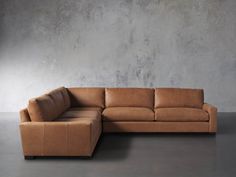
{"x": 117, "y": 43}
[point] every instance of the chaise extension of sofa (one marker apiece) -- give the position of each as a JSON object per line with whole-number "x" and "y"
{"x": 69, "y": 121}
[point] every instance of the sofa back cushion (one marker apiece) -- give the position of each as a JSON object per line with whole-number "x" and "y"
{"x": 129, "y": 97}
{"x": 178, "y": 97}
{"x": 49, "y": 106}
{"x": 60, "y": 97}
{"x": 87, "y": 97}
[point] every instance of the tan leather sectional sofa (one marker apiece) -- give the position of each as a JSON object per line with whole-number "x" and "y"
{"x": 69, "y": 121}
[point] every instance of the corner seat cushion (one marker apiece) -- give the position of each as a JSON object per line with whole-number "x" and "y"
{"x": 128, "y": 114}
{"x": 76, "y": 119}
{"x": 81, "y": 113}
{"x": 86, "y": 109}
{"x": 181, "y": 115}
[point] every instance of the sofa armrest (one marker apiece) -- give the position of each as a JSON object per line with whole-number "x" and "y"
{"x": 212, "y": 111}
{"x": 56, "y": 138}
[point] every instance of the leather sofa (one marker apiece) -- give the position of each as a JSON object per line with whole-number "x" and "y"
{"x": 69, "y": 121}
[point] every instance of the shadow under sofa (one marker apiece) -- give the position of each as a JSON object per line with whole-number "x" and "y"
{"x": 69, "y": 121}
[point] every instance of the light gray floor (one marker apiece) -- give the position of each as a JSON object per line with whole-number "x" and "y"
{"x": 164, "y": 155}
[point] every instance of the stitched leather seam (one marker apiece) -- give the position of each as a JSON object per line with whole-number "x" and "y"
{"x": 43, "y": 139}
{"x": 67, "y": 139}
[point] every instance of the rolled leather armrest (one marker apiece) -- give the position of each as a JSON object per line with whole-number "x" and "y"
{"x": 212, "y": 111}
{"x": 56, "y": 138}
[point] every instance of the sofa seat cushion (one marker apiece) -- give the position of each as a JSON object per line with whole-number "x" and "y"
{"x": 128, "y": 114}
{"x": 77, "y": 113}
{"x": 181, "y": 115}
{"x": 86, "y": 109}
{"x": 76, "y": 119}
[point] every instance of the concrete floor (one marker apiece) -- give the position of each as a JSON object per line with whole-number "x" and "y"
{"x": 133, "y": 155}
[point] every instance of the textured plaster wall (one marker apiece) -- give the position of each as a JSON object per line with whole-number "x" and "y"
{"x": 117, "y": 43}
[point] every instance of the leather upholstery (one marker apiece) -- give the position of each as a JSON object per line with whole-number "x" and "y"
{"x": 87, "y": 97}
{"x": 43, "y": 109}
{"x": 24, "y": 115}
{"x": 49, "y": 106}
{"x": 67, "y": 122}
{"x": 59, "y": 94}
{"x": 177, "y": 97}
{"x": 181, "y": 115}
{"x": 81, "y": 113}
{"x": 60, "y": 138}
{"x": 76, "y": 119}
{"x": 138, "y": 126}
{"x": 86, "y": 109}
{"x": 128, "y": 114}
{"x": 212, "y": 111}
{"x": 129, "y": 97}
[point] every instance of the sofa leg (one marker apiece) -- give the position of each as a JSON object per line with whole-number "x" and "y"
{"x": 29, "y": 157}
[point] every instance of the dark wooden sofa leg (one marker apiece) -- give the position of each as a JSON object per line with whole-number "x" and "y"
{"x": 29, "y": 157}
